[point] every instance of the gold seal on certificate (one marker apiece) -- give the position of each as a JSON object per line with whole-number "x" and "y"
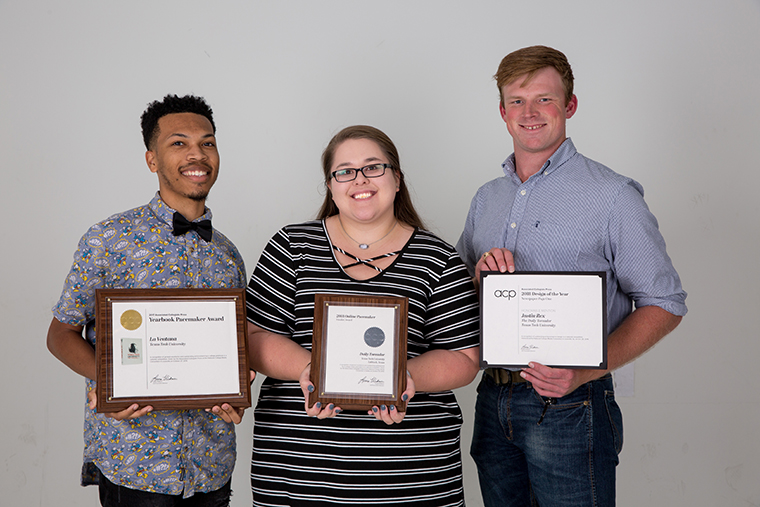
{"x": 359, "y": 351}
{"x": 557, "y": 319}
{"x": 171, "y": 348}
{"x": 131, "y": 320}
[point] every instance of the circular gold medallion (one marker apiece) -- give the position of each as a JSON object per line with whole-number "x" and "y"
{"x": 131, "y": 320}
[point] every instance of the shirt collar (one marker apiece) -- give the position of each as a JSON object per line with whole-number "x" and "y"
{"x": 565, "y": 151}
{"x": 164, "y": 213}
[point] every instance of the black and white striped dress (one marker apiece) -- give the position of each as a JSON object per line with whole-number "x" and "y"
{"x": 354, "y": 459}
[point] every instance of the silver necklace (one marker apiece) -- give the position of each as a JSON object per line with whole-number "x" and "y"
{"x": 364, "y": 246}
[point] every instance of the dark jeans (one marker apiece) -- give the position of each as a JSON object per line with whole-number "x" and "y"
{"x": 557, "y": 453}
{"x": 112, "y": 495}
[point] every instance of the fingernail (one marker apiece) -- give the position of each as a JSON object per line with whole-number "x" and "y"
{"x": 331, "y": 406}
{"x": 382, "y": 407}
{"x": 319, "y": 405}
{"x": 405, "y": 397}
{"x": 311, "y": 388}
{"x": 393, "y": 407}
{"x": 338, "y": 411}
{"x": 374, "y": 409}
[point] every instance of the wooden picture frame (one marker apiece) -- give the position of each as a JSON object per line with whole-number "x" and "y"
{"x": 196, "y": 336}
{"x": 359, "y": 348}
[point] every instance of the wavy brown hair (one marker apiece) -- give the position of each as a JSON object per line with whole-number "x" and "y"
{"x": 403, "y": 209}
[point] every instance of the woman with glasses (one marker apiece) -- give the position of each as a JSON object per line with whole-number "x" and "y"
{"x": 369, "y": 240}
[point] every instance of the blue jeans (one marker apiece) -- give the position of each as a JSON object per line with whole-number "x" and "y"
{"x": 532, "y": 450}
{"x": 113, "y": 495}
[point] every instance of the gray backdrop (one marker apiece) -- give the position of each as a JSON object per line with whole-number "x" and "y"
{"x": 667, "y": 94}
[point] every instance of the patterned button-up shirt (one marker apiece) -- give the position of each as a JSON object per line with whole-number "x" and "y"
{"x": 168, "y": 452}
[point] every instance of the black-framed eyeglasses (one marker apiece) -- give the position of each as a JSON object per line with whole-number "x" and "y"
{"x": 350, "y": 174}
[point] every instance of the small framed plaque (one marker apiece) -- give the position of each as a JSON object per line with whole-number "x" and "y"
{"x": 171, "y": 348}
{"x": 358, "y": 354}
{"x": 558, "y": 319}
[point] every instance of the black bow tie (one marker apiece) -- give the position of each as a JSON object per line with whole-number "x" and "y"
{"x": 181, "y": 226}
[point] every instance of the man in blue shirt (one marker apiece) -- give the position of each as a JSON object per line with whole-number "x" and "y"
{"x": 139, "y": 456}
{"x": 552, "y": 435}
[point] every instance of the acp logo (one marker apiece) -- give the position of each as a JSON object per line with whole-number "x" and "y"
{"x": 508, "y": 294}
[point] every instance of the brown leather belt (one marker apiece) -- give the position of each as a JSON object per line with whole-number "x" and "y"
{"x": 501, "y": 376}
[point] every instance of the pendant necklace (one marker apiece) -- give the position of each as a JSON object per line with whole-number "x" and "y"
{"x": 364, "y": 246}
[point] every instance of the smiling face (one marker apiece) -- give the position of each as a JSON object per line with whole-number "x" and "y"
{"x": 535, "y": 113}
{"x": 363, "y": 200}
{"x": 186, "y": 160}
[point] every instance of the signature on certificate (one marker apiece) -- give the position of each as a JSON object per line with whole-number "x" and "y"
{"x": 373, "y": 381}
{"x": 162, "y": 379}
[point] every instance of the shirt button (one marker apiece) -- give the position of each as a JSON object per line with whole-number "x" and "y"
{"x": 523, "y": 192}
{"x": 513, "y": 225}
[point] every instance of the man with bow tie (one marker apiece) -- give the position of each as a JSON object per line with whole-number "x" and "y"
{"x": 140, "y": 456}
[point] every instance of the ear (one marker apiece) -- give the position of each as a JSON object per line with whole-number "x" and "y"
{"x": 150, "y": 159}
{"x": 571, "y": 107}
{"x": 502, "y": 111}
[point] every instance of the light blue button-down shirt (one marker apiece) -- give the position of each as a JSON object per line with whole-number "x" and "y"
{"x": 576, "y": 215}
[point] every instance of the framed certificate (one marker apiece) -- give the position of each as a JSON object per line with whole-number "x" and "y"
{"x": 558, "y": 319}
{"x": 171, "y": 348}
{"x": 358, "y": 354}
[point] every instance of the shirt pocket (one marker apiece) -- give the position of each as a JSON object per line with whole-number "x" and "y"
{"x": 553, "y": 244}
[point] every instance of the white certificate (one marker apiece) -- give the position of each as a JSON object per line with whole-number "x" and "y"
{"x": 171, "y": 348}
{"x": 556, "y": 319}
{"x": 360, "y": 351}
{"x": 178, "y": 348}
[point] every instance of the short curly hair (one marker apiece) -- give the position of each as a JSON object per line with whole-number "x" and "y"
{"x": 169, "y": 105}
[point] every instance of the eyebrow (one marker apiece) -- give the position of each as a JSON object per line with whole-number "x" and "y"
{"x": 185, "y": 136}
{"x": 367, "y": 161}
{"x": 540, "y": 95}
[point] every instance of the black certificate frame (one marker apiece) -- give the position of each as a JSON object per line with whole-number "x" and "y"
{"x": 511, "y": 289}
{"x": 104, "y": 350}
{"x": 358, "y": 401}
